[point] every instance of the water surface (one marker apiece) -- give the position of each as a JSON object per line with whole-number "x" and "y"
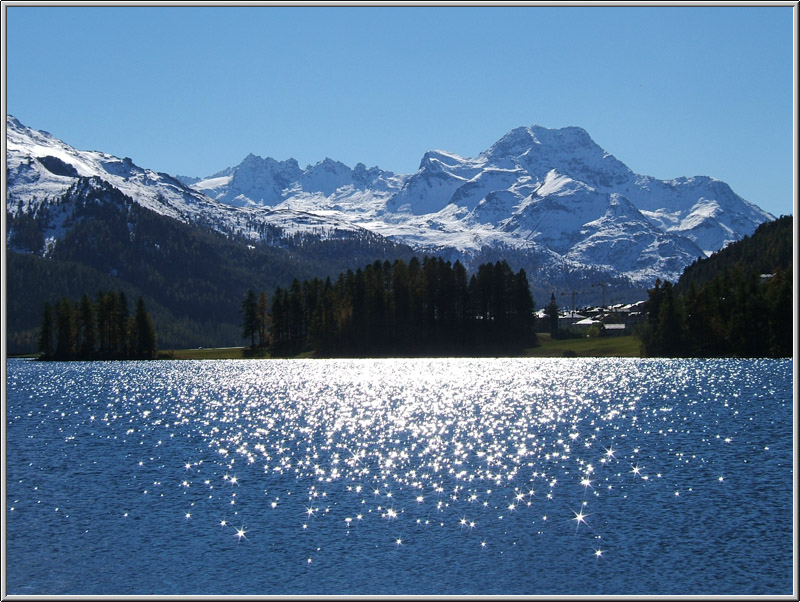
{"x": 440, "y": 476}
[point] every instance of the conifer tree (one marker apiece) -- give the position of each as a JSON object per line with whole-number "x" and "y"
{"x": 551, "y": 311}
{"x": 145, "y": 332}
{"x": 647, "y": 331}
{"x": 778, "y": 298}
{"x": 47, "y": 332}
{"x": 297, "y": 325}
{"x": 278, "y": 317}
{"x": 400, "y": 302}
{"x": 102, "y": 324}
{"x": 67, "y": 329}
{"x": 522, "y": 305}
{"x": 112, "y": 315}
{"x": 700, "y": 337}
{"x": 121, "y": 326}
{"x": 131, "y": 336}
{"x": 72, "y": 331}
{"x": 250, "y": 317}
{"x": 669, "y": 329}
{"x": 110, "y": 331}
{"x": 460, "y": 292}
{"x": 263, "y": 319}
{"x": 86, "y": 325}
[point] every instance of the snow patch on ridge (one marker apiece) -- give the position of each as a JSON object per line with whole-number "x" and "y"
{"x": 552, "y": 193}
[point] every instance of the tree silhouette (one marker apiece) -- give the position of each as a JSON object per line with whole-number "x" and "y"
{"x": 47, "y": 332}
{"x": 145, "y": 332}
{"x": 250, "y": 317}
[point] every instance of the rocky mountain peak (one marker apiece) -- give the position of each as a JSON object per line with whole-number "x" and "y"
{"x": 535, "y": 191}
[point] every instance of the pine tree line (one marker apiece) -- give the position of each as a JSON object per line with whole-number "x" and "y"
{"x": 415, "y": 308}
{"x": 103, "y": 329}
{"x": 735, "y": 314}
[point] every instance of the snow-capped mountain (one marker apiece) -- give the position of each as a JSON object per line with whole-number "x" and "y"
{"x": 551, "y": 195}
{"x": 553, "y": 192}
{"x": 40, "y": 167}
{"x": 547, "y": 185}
{"x": 258, "y": 182}
{"x": 41, "y": 170}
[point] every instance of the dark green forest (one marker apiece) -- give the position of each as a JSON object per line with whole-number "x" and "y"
{"x": 103, "y": 329}
{"x": 735, "y": 303}
{"x": 427, "y": 307}
{"x": 767, "y": 249}
{"x": 191, "y": 278}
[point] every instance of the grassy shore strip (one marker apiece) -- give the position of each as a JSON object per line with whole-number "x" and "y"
{"x": 618, "y": 346}
{"x": 203, "y": 353}
{"x": 615, "y": 346}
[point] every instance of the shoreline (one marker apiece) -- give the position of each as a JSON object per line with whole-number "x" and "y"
{"x": 616, "y": 346}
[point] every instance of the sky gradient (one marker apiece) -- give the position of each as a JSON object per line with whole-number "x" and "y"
{"x": 670, "y": 91}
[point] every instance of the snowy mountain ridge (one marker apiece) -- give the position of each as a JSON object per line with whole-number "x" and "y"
{"x": 41, "y": 169}
{"x": 552, "y": 195}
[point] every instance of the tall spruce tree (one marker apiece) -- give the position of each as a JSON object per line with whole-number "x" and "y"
{"x": 669, "y": 328}
{"x": 86, "y": 327}
{"x": 67, "y": 329}
{"x": 263, "y": 319}
{"x": 121, "y": 326}
{"x": 113, "y": 313}
{"x": 101, "y": 314}
{"x": 47, "y": 332}
{"x": 551, "y": 311}
{"x": 145, "y": 332}
{"x": 250, "y": 317}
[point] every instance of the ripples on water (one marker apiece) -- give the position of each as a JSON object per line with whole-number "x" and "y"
{"x": 400, "y": 477}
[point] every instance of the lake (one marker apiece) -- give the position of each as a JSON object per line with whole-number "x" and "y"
{"x": 418, "y": 476}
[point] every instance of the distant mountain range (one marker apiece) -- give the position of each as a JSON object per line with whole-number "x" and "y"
{"x": 548, "y": 200}
{"x": 552, "y": 193}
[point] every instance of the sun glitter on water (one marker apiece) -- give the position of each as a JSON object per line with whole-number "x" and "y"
{"x": 410, "y": 432}
{"x": 484, "y": 462}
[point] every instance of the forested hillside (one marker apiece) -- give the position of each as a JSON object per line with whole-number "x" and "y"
{"x": 737, "y": 302}
{"x": 769, "y": 248}
{"x": 192, "y": 279}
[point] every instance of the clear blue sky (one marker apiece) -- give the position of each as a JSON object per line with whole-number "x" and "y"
{"x": 670, "y": 91}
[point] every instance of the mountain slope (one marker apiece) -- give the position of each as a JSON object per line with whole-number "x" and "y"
{"x": 41, "y": 170}
{"x": 737, "y": 302}
{"x": 71, "y": 229}
{"x": 766, "y": 251}
{"x": 192, "y": 278}
{"x": 552, "y": 192}
{"x": 566, "y": 210}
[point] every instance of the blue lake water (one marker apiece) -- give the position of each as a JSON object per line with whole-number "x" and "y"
{"x": 423, "y": 476}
